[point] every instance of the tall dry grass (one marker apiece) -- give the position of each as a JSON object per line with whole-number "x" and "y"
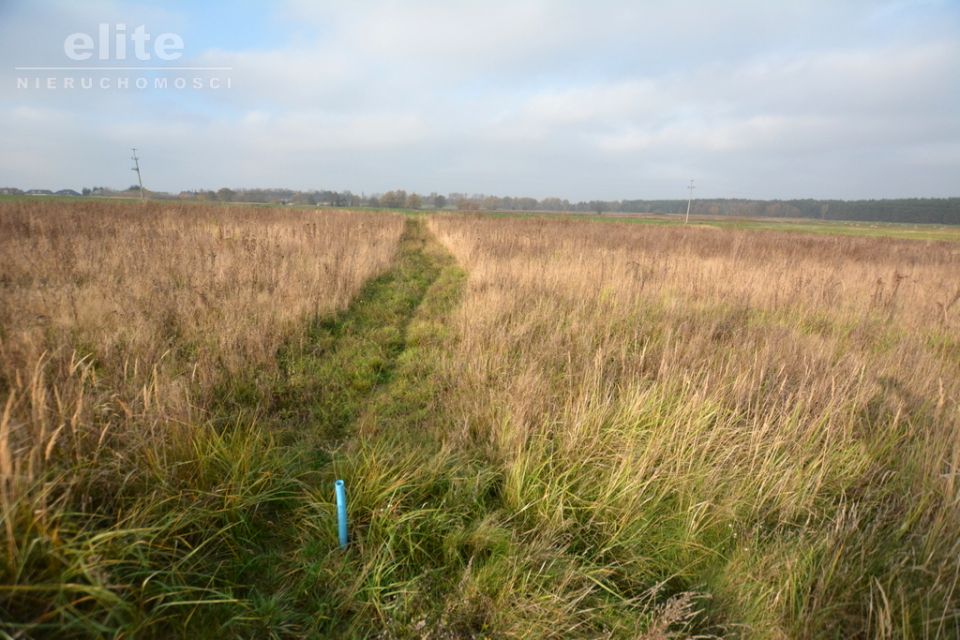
{"x": 121, "y": 326}
{"x": 621, "y": 431}
{"x": 768, "y": 421}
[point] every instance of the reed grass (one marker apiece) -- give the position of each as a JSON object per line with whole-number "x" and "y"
{"x": 549, "y": 428}
{"x": 128, "y": 495}
{"x": 766, "y": 421}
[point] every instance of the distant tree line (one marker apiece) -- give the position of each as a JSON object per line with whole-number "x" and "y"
{"x": 907, "y": 210}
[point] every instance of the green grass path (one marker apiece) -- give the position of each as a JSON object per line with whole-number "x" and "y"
{"x": 442, "y": 545}
{"x": 340, "y": 364}
{"x": 356, "y": 383}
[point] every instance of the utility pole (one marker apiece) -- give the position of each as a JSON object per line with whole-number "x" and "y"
{"x": 690, "y": 188}
{"x": 136, "y": 167}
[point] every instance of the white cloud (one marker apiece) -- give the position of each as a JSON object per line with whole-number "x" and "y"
{"x": 611, "y": 99}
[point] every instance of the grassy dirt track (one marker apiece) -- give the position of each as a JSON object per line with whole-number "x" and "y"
{"x": 355, "y": 389}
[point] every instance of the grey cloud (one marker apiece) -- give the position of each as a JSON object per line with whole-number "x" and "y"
{"x": 606, "y": 100}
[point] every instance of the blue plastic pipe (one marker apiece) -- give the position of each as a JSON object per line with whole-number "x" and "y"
{"x": 341, "y": 490}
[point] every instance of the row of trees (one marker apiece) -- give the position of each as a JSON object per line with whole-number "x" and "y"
{"x": 912, "y": 210}
{"x": 908, "y": 210}
{"x": 399, "y": 199}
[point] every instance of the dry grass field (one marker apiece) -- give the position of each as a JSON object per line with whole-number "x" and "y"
{"x": 548, "y": 427}
{"x": 122, "y": 327}
{"x": 766, "y": 421}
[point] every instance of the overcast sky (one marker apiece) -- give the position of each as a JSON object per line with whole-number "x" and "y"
{"x": 582, "y": 100}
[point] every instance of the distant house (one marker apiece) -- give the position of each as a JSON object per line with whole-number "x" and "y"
{"x": 67, "y": 192}
{"x": 39, "y": 192}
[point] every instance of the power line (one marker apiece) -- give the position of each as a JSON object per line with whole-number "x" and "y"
{"x": 690, "y": 189}
{"x": 136, "y": 167}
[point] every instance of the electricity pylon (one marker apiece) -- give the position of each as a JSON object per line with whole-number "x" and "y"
{"x": 136, "y": 167}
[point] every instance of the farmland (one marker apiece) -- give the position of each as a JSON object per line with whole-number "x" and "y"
{"x": 548, "y": 426}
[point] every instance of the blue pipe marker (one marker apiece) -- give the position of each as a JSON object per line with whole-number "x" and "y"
{"x": 341, "y": 512}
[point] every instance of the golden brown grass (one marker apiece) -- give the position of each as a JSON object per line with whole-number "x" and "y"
{"x": 595, "y": 430}
{"x": 121, "y": 327}
{"x": 171, "y": 299}
{"x": 769, "y": 420}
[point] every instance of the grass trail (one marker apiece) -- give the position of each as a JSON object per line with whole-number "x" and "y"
{"x": 240, "y": 538}
{"x": 339, "y": 364}
{"x": 364, "y": 377}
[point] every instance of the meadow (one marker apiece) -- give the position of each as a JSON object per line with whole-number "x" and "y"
{"x": 763, "y": 422}
{"x": 548, "y": 426}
